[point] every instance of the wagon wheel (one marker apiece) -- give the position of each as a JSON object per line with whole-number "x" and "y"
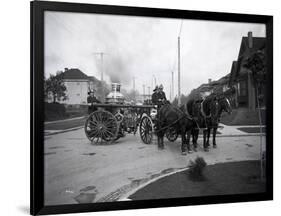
{"x": 101, "y": 127}
{"x": 172, "y": 134}
{"x": 146, "y": 129}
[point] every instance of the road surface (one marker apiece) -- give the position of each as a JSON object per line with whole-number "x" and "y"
{"x": 77, "y": 171}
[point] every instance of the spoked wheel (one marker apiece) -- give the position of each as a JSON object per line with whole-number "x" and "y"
{"x": 172, "y": 134}
{"x": 101, "y": 127}
{"x": 146, "y": 129}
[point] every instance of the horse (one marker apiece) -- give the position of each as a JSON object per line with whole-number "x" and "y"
{"x": 206, "y": 114}
{"x": 171, "y": 116}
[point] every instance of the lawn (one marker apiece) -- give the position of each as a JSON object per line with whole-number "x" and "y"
{"x": 219, "y": 179}
{"x": 243, "y": 116}
{"x": 252, "y": 129}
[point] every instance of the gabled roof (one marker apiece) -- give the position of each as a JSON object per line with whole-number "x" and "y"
{"x": 258, "y": 44}
{"x": 75, "y": 74}
{"x": 233, "y": 72}
{"x": 245, "y": 52}
{"x": 237, "y": 69}
{"x": 92, "y": 78}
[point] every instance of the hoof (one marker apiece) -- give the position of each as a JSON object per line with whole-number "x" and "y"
{"x": 206, "y": 149}
{"x": 214, "y": 146}
{"x": 160, "y": 148}
{"x": 183, "y": 153}
{"x": 195, "y": 149}
{"x": 190, "y": 151}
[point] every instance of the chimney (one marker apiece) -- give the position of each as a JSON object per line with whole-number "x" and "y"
{"x": 209, "y": 81}
{"x": 65, "y": 69}
{"x": 250, "y": 39}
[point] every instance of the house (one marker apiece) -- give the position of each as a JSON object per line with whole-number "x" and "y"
{"x": 240, "y": 77}
{"x": 77, "y": 86}
{"x": 212, "y": 87}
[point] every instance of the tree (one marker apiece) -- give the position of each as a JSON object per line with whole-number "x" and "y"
{"x": 257, "y": 65}
{"x": 55, "y": 85}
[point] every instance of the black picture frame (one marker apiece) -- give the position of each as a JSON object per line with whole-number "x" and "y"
{"x": 37, "y": 106}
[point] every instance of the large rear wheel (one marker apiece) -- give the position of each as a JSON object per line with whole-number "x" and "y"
{"x": 101, "y": 127}
{"x": 146, "y": 129}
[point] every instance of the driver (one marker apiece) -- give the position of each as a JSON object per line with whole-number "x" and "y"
{"x": 154, "y": 96}
{"x": 161, "y": 96}
{"x": 91, "y": 100}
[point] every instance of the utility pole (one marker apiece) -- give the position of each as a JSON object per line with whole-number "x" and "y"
{"x": 172, "y": 90}
{"x": 134, "y": 87}
{"x": 170, "y": 93}
{"x": 179, "y": 73}
{"x": 143, "y": 86}
{"x": 154, "y": 80}
{"x": 148, "y": 88}
{"x": 101, "y": 54}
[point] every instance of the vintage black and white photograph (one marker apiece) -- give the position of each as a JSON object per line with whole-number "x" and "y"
{"x": 143, "y": 108}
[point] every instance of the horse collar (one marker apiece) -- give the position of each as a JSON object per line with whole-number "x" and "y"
{"x": 202, "y": 110}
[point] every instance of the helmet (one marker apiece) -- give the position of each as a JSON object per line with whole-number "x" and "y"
{"x": 156, "y": 87}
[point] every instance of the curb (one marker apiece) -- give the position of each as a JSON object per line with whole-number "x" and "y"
{"x": 64, "y": 120}
{"x": 128, "y": 194}
{"x": 239, "y": 135}
{"x": 125, "y": 196}
{"x": 46, "y": 133}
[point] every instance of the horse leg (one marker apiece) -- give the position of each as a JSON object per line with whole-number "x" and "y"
{"x": 208, "y": 137}
{"x": 214, "y": 137}
{"x": 193, "y": 132}
{"x": 160, "y": 141}
{"x": 184, "y": 145}
{"x": 188, "y": 134}
{"x": 196, "y": 134}
{"x": 205, "y": 131}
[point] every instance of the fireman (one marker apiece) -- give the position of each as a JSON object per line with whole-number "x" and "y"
{"x": 161, "y": 96}
{"x": 154, "y": 96}
{"x": 91, "y": 100}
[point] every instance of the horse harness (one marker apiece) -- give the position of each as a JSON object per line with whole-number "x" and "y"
{"x": 183, "y": 115}
{"x": 203, "y": 113}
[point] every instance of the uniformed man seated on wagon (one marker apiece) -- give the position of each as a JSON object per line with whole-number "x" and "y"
{"x": 154, "y": 96}
{"x": 158, "y": 99}
{"x": 91, "y": 100}
{"x": 161, "y": 95}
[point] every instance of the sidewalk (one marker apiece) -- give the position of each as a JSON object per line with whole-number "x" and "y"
{"x": 64, "y": 120}
{"x": 226, "y": 130}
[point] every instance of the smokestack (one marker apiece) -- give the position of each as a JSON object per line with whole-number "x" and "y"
{"x": 65, "y": 69}
{"x": 209, "y": 81}
{"x": 250, "y": 39}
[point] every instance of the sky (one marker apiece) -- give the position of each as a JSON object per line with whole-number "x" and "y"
{"x": 142, "y": 48}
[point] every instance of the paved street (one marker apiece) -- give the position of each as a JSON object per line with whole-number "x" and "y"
{"x": 77, "y": 171}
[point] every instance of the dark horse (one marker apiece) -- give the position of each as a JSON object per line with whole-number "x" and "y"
{"x": 206, "y": 114}
{"x": 171, "y": 116}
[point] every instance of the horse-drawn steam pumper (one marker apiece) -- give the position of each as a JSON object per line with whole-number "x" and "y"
{"x": 113, "y": 119}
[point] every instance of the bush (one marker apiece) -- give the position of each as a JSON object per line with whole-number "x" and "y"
{"x": 54, "y": 111}
{"x": 196, "y": 169}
